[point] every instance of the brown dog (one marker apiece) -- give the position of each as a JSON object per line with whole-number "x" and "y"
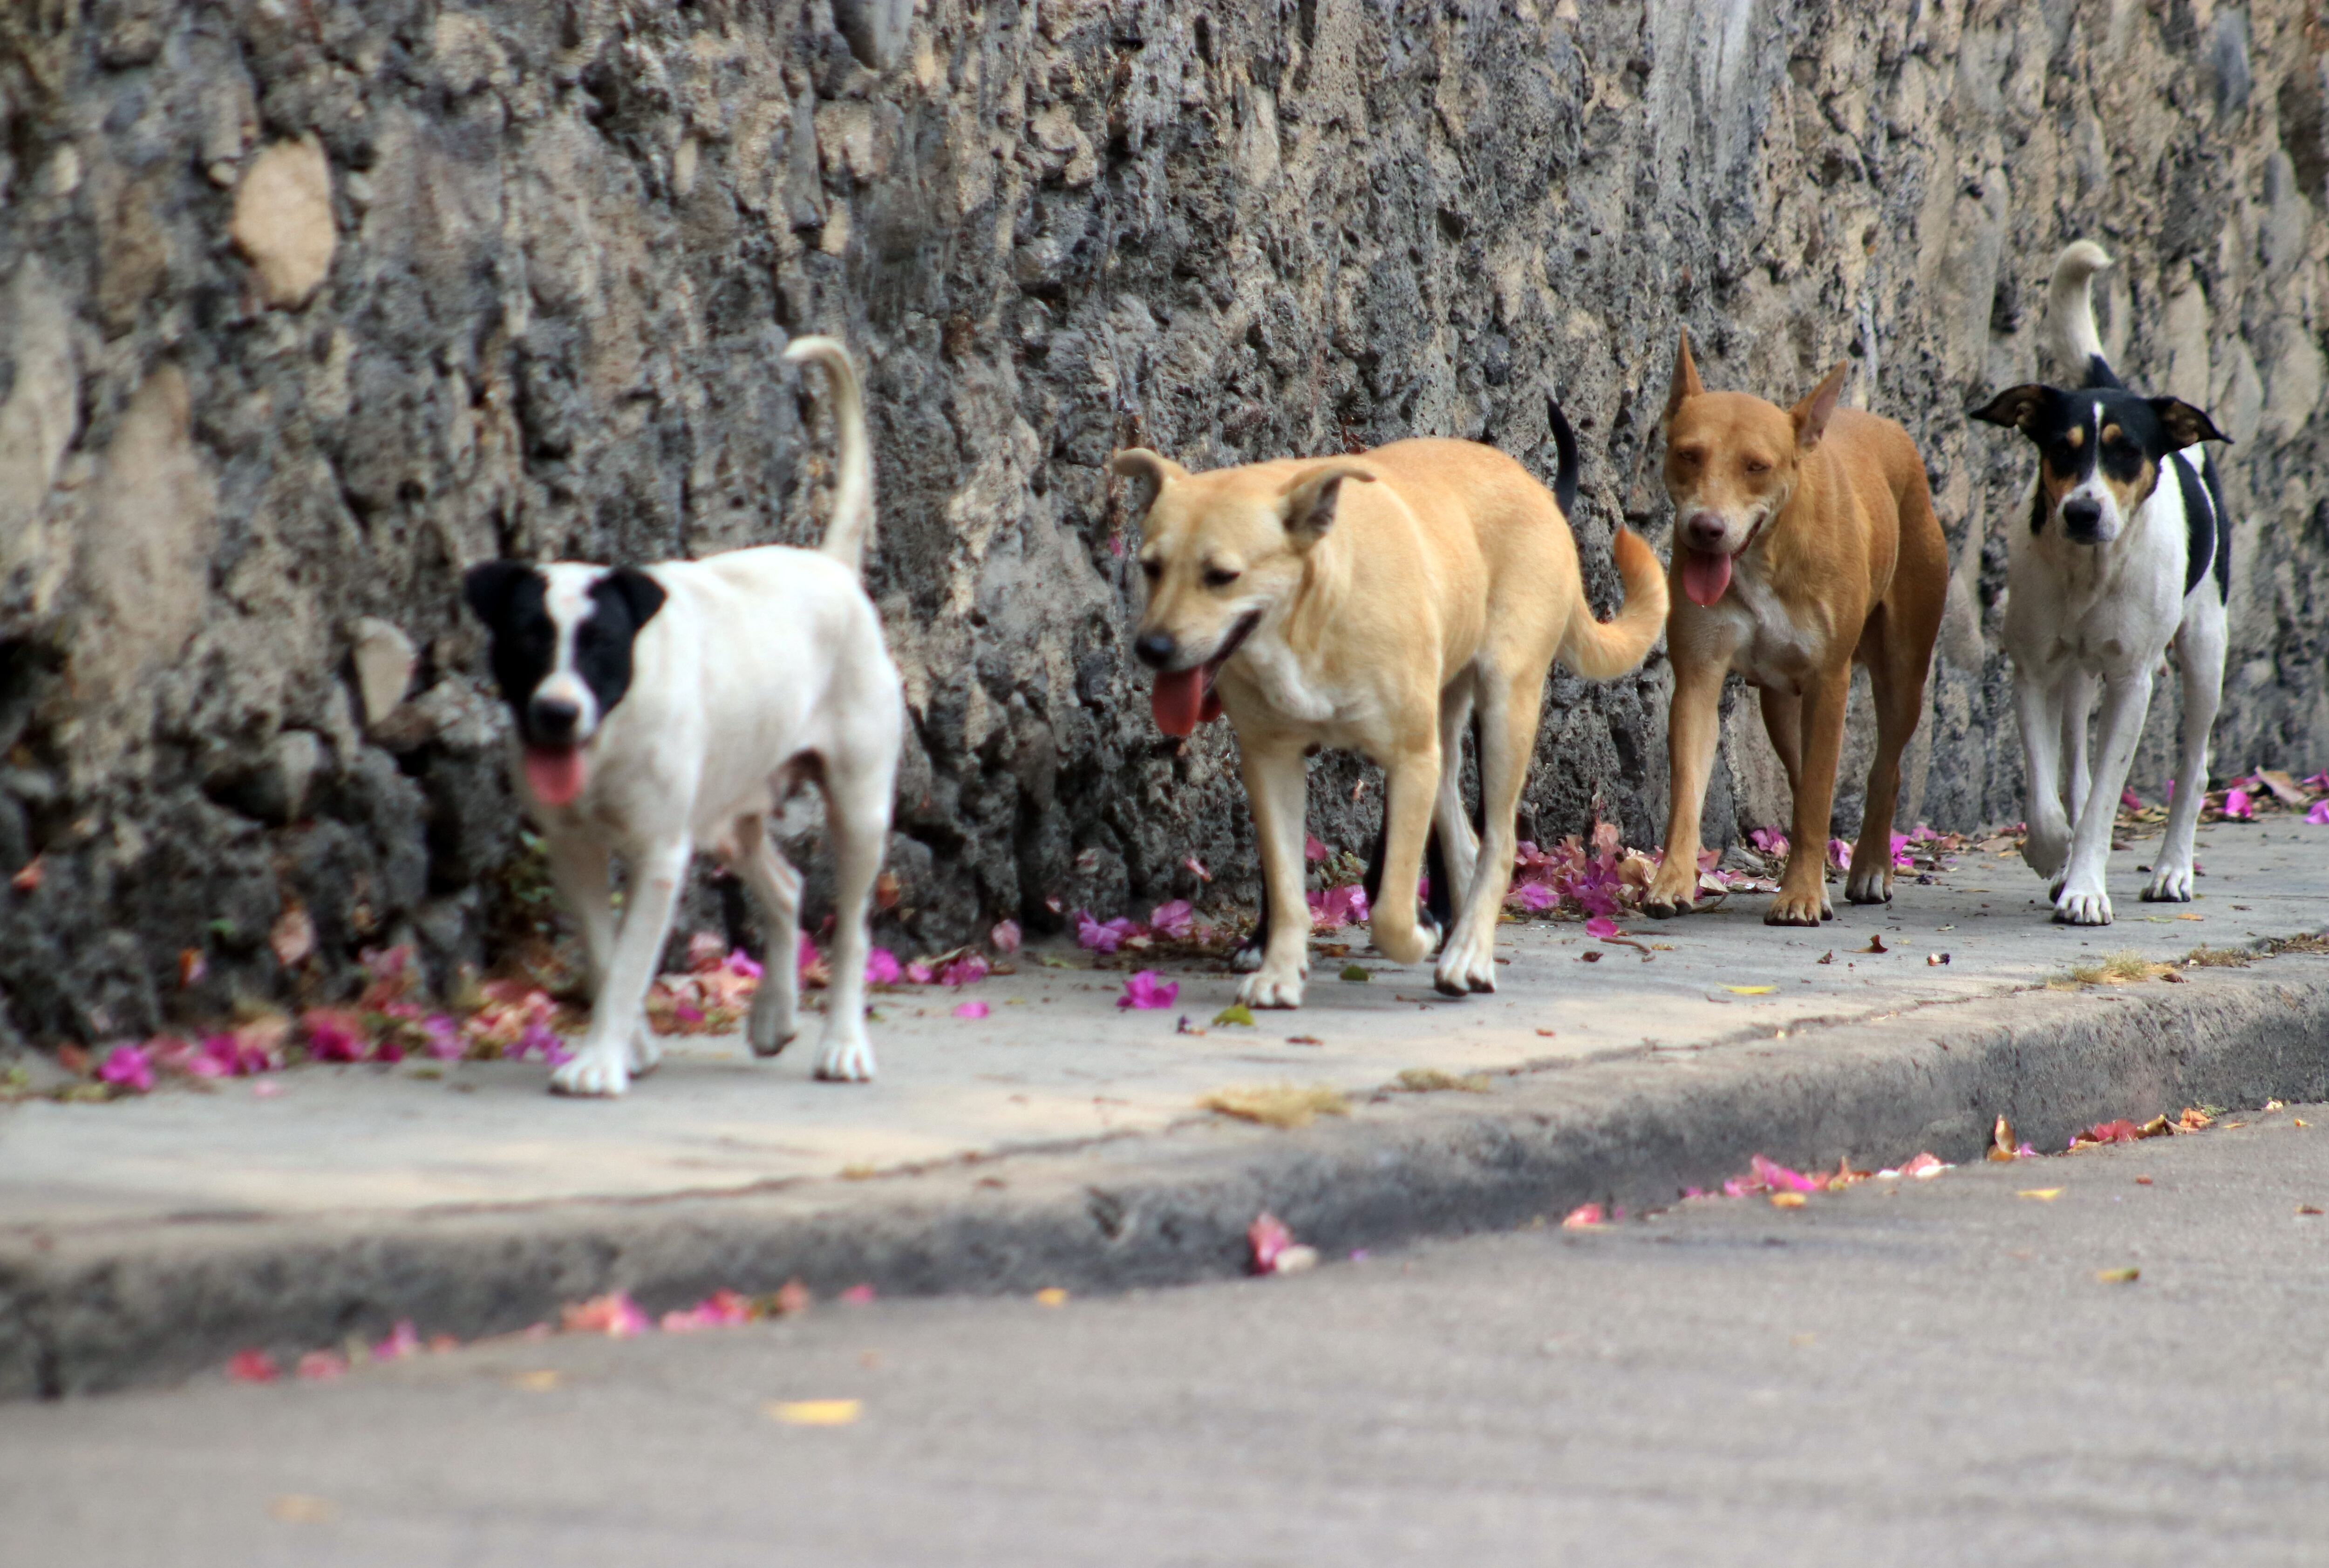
{"x": 1804, "y": 541}
{"x": 1370, "y": 602}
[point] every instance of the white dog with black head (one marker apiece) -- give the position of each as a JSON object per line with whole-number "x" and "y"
{"x": 670, "y": 707}
{"x": 2123, "y": 552}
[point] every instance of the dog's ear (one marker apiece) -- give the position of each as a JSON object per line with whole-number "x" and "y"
{"x": 488, "y": 586}
{"x": 640, "y": 594}
{"x": 1811, "y": 415}
{"x": 2014, "y": 407}
{"x": 1140, "y": 462}
{"x": 2186, "y": 425}
{"x": 1685, "y": 383}
{"x": 1313, "y": 493}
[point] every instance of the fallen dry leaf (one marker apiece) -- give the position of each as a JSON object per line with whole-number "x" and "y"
{"x": 1304, "y": 1040}
{"x": 1875, "y": 944}
{"x": 2001, "y": 1139}
{"x": 293, "y": 935}
{"x": 2306, "y": 1208}
{"x": 1789, "y": 1200}
{"x": 1278, "y": 1105}
{"x": 2190, "y": 917}
{"x": 539, "y": 1381}
{"x": 2143, "y": 1181}
{"x": 28, "y": 876}
{"x": 1750, "y": 990}
{"x": 1546, "y": 1033}
{"x": 1427, "y": 1080}
{"x": 1592, "y": 957}
{"x": 1053, "y": 1297}
{"x": 1827, "y": 957}
{"x": 816, "y": 1411}
{"x": 2043, "y": 1194}
{"x": 298, "y": 1508}
{"x": 2118, "y": 1276}
{"x": 1584, "y": 1216}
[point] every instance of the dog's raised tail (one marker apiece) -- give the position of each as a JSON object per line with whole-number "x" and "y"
{"x": 1564, "y": 447}
{"x": 852, "y": 528}
{"x": 2070, "y": 312}
{"x": 1604, "y": 650}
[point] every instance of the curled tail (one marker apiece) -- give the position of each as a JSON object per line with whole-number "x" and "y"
{"x": 1564, "y": 447}
{"x": 1604, "y": 650}
{"x": 852, "y": 528}
{"x": 2070, "y": 312}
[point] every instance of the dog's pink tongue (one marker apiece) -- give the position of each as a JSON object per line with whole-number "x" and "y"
{"x": 1704, "y": 576}
{"x": 1178, "y": 701}
{"x": 554, "y": 774}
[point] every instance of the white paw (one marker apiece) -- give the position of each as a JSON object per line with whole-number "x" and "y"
{"x": 2045, "y": 848}
{"x": 2083, "y": 906}
{"x": 1247, "y": 959}
{"x": 646, "y": 1053}
{"x": 1272, "y": 985}
{"x": 2171, "y": 885}
{"x": 772, "y": 1027}
{"x": 596, "y": 1070}
{"x": 847, "y": 1056}
{"x": 1468, "y": 964}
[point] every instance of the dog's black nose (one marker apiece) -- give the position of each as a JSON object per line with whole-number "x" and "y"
{"x": 553, "y": 719}
{"x": 2082, "y": 514}
{"x": 1704, "y": 531}
{"x": 1154, "y": 649}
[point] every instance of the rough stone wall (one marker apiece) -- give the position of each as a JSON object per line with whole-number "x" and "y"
{"x": 305, "y": 304}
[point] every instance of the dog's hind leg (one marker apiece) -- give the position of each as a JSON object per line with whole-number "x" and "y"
{"x": 1783, "y": 722}
{"x": 1277, "y": 786}
{"x": 1460, "y": 845}
{"x": 2078, "y": 712}
{"x": 857, "y": 816}
{"x": 1897, "y": 668}
{"x": 578, "y": 868}
{"x": 776, "y": 887}
{"x": 2084, "y": 900}
{"x": 601, "y": 1064}
{"x": 1508, "y": 722}
{"x": 2200, "y": 650}
{"x": 1410, "y": 787}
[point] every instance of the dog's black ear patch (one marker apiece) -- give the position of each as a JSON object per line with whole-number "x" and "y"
{"x": 491, "y": 589}
{"x": 2016, "y": 408}
{"x": 639, "y": 592}
{"x": 2186, "y": 425}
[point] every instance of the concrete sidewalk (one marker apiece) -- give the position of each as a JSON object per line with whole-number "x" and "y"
{"x": 147, "y": 1237}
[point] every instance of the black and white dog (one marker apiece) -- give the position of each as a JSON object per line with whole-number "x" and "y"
{"x": 2127, "y": 553}
{"x": 672, "y": 707}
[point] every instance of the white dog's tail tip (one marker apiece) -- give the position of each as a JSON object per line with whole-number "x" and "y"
{"x": 2070, "y": 307}
{"x": 852, "y": 528}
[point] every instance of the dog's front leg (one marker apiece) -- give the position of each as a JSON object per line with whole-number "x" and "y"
{"x": 1802, "y": 887}
{"x": 1694, "y": 726}
{"x": 601, "y": 1064}
{"x": 2084, "y": 900}
{"x": 1277, "y": 786}
{"x": 2038, "y": 701}
{"x": 1410, "y": 785}
{"x": 776, "y": 887}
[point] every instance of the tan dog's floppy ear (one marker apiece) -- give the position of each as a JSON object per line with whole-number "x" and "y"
{"x": 2014, "y": 407}
{"x": 2186, "y": 425}
{"x": 1686, "y": 383}
{"x": 1811, "y": 415}
{"x": 1311, "y": 496}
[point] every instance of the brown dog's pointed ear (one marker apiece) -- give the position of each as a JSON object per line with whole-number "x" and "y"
{"x": 2014, "y": 407}
{"x": 1313, "y": 493}
{"x": 1811, "y": 415}
{"x": 2186, "y": 425}
{"x": 1685, "y": 383}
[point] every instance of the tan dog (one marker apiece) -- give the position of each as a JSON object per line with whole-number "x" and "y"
{"x": 1805, "y": 540}
{"x": 1370, "y": 602}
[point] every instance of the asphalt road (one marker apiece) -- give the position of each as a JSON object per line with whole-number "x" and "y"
{"x": 1913, "y": 1372}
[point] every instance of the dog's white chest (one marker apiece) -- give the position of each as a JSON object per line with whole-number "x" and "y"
{"x": 1285, "y": 687}
{"x": 1765, "y": 643}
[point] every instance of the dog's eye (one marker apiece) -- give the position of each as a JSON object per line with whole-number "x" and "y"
{"x": 1756, "y": 465}
{"x": 1687, "y": 458}
{"x": 1152, "y": 570}
{"x": 1215, "y": 577}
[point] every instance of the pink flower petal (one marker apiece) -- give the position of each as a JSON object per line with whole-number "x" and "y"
{"x": 2319, "y": 816}
{"x": 1601, "y": 929}
{"x": 881, "y": 968}
{"x": 971, "y": 1009}
{"x": 1312, "y": 849}
{"x": 858, "y": 1295}
{"x": 253, "y": 1366}
{"x": 1006, "y": 936}
{"x": 128, "y": 1067}
{"x": 322, "y": 1366}
{"x": 1266, "y": 1239}
{"x": 1146, "y": 991}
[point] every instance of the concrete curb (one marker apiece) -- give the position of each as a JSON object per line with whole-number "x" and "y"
{"x": 107, "y": 1308}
